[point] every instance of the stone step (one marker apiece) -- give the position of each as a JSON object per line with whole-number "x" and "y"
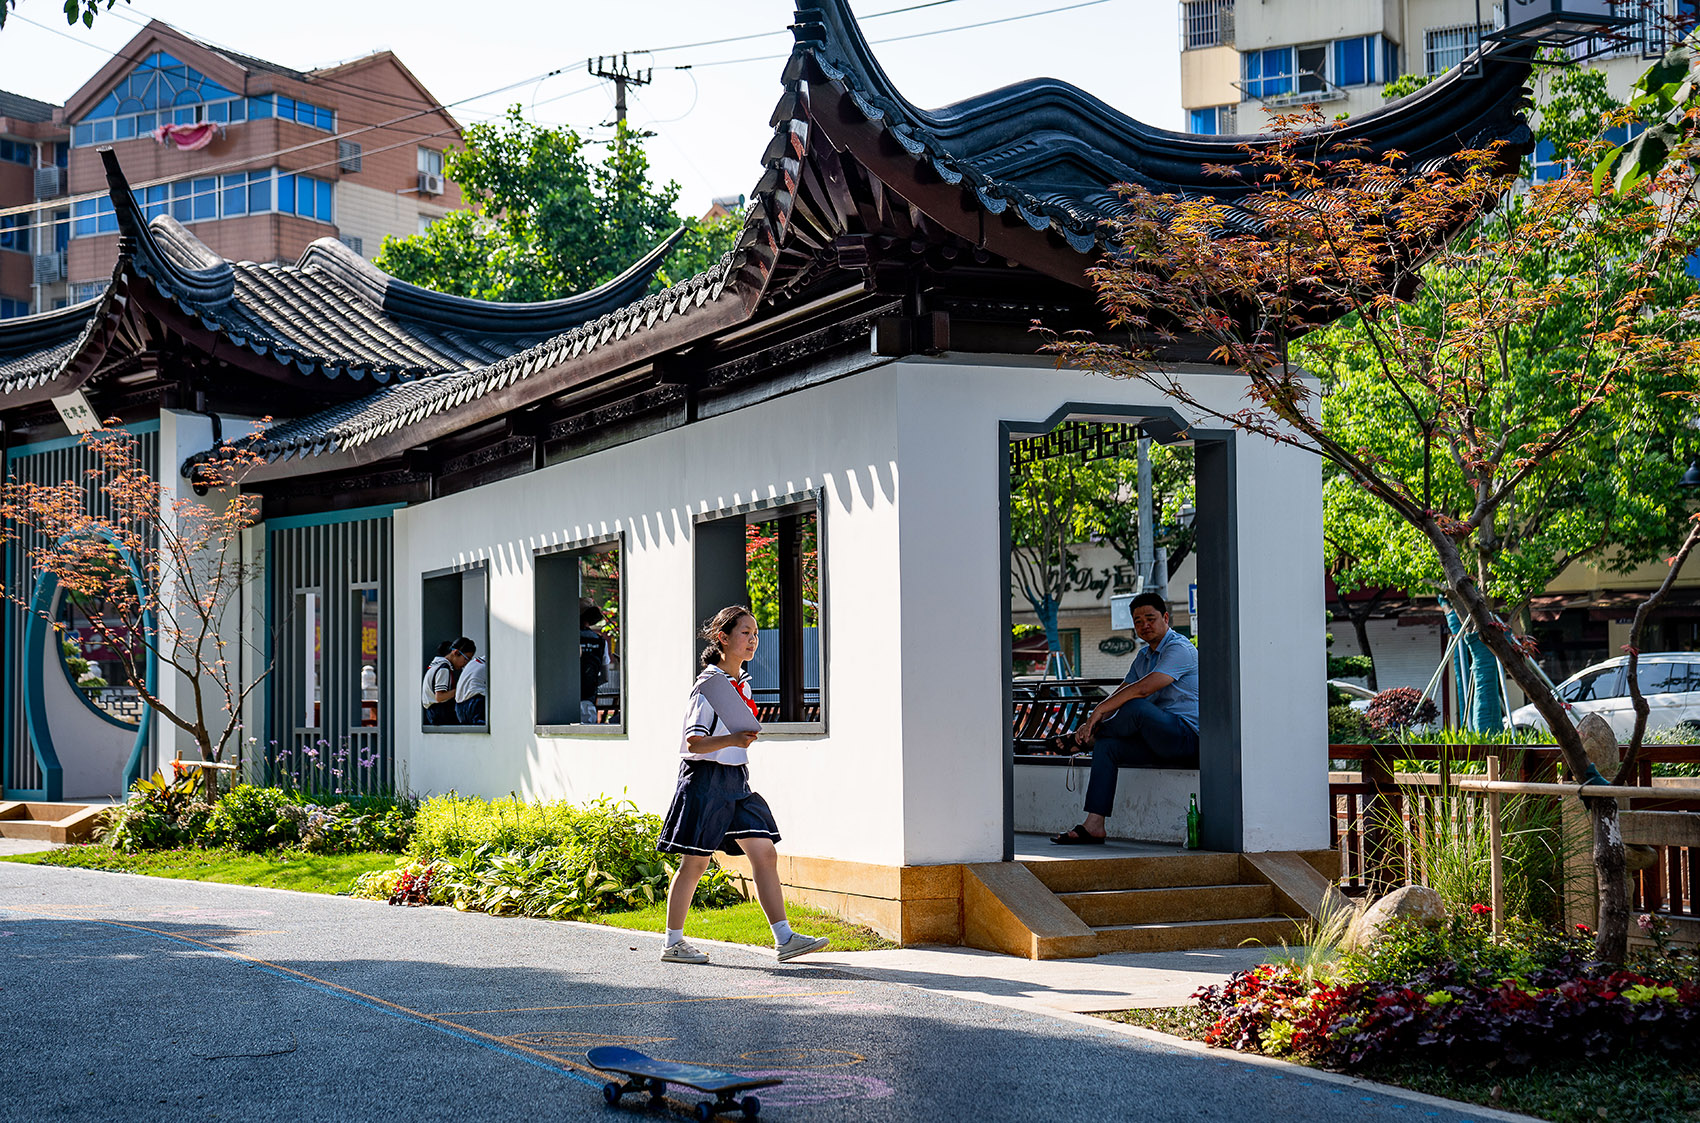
{"x": 1268, "y": 931}
{"x": 1100, "y": 907}
{"x": 1183, "y": 868}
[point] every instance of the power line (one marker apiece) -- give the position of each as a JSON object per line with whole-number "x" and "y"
{"x": 923, "y": 34}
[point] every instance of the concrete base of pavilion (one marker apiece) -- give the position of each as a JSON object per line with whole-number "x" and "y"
{"x": 1060, "y": 903}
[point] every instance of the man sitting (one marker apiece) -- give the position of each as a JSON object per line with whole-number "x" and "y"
{"x": 1150, "y": 721}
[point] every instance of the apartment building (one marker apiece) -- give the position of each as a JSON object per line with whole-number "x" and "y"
{"x": 1240, "y": 62}
{"x": 33, "y": 155}
{"x": 259, "y": 160}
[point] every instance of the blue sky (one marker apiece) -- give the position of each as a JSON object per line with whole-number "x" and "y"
{"x": 711, "y": 119}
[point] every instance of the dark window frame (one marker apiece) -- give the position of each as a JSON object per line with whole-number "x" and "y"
{"x": 554, "y": 555}
{"x": 459, "y": 571}
{"x": 713, "y": 588}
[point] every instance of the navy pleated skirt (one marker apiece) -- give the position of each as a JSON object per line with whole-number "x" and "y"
{"x": 713, "y": 807}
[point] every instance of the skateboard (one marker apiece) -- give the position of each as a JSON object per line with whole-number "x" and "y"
{"x": 646, "y": 1074}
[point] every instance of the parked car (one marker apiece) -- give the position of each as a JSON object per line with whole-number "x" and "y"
{"x": 1361, "y": 696}
{"x": 1670, "y": 681}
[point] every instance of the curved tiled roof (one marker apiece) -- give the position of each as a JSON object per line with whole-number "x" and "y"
{"x": 1032, "y": 166}
{"x": 1048, "y": 154}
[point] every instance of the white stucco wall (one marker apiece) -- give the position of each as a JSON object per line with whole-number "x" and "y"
{"x": 836, "y": 794}
{"x": 910, "y": 770}
{"x": 948, "y": 411}
{"x": 92, "y": 750}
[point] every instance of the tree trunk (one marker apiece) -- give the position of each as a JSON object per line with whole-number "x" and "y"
{"x": 1611, "y": 941}
{"x": 1360, "y": 626}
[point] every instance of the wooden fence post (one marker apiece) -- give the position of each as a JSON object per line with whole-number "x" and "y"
{"x": 1496, "y": 863}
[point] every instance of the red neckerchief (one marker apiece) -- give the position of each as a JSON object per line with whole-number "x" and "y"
{"x": 738, "y": 685}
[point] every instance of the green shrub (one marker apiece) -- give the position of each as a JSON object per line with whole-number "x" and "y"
{"x": 253, "y": 818}
{"x": 541, "y": 859}
{"x": 454, "y": 824}
{"x": 1347, "y": 726}
{"x": 340, "y": 827}
{"x": 1463, "y": 950}
{"x": 158, "y": 814}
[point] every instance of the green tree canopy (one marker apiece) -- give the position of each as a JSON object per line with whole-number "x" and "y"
{"x": 547, "y": 221}
{"x": 1609, "y": 498}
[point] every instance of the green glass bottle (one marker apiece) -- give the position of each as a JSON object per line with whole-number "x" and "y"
{"x": 1192, "y": 822}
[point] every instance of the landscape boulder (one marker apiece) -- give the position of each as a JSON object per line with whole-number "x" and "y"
{"x": 1414, "y": 904}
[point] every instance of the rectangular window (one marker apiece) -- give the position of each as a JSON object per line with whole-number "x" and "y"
{"x": 182, "y": 202}
{"x": 322, "y": 195}
{"x": 1206, "y": 23}
{"x": 11, "y": 309}
{"x": 286, "y": 194}
{"x": 366, "y": 639}
{"x": 1389, "y": 60}
{"x": 17, "y": 152}
{"x": 1446, "y": 47}
{"x": 235, "y": 199}
{"x": 1202, "y": 121}
{"x": 1312, "y": 68}
{"x": 431, "y": 160}
{"x": 260, "y": 107}
{"x": 454, "y": 603}
{"x": 1269, "y": 73}
{"x": 1354, "y": 61}
{"x": 259, "y": 192}
{"x": 579, "y": 648}
{"x": 84, "y": 291}
{"x": 285, "y": 108}
{"x": 206, "y": 198}
{"x": 15, "y": 232}
{"x": 769, "y": 559}
{"x": 82, "y": 135}
{"x": 308, "y": 618}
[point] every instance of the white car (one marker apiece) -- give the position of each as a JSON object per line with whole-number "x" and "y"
{"x": 1670, "y": 681}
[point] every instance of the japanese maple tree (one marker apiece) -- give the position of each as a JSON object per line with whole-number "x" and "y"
{"x": 1343, "y": 234}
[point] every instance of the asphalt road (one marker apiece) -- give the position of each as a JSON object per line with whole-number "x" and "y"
{"x": 138, "y": 999}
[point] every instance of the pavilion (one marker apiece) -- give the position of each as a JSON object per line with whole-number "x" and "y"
{"x": 849, "y": 379}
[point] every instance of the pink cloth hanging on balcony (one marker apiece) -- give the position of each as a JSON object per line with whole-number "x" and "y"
{"x": 187, "y": 137}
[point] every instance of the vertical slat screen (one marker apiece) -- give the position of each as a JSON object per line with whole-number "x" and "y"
{"x": 340, "y": 756}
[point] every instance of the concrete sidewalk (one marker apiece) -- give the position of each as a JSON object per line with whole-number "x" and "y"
{"x": 1119, "y": 981}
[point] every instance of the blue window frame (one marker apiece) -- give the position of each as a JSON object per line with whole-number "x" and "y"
{"x": 93, "y": 216}
{"x": 235, "y": 198}
{"x": 286, "y": 194}
{"x": 259, "y": 192}
{"x": 160, "y": 88}
{"x": 15, "y": 232}
{"x": 259, "y": 107}
{"x": 1354, "y": 61}
{"x": 17, "y": 152}
{"x": 1389, "y": 60}
{"x": 10, "y": 309}
{"x": 1202, "y": 121}
{"x": 1269, "y": 73}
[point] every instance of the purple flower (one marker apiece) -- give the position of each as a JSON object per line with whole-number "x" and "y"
{"x": 1644, "y": 922}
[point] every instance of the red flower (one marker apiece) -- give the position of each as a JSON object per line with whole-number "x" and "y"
{"x": 1481, "y": 910}
{"x": 1584, "y": 929}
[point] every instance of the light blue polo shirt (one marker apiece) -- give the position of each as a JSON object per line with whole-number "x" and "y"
{"x": 1176, "y": 657}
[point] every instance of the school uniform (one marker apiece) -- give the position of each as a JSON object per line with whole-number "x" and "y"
{"x": 713, "y": 806}
{"x": 439, "y": 677}
{"x": 470, "y": 690}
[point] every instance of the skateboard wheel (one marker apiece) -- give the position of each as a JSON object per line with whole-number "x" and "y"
{"x": 611, "y": 1092}
{"x": 750, "y": 1106}
{"x": 704, "y": 1112}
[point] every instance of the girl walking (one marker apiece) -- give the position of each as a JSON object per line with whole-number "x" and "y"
{"x": 713, "y": 807}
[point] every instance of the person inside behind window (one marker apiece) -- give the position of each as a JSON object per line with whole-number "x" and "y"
{"x": 1149, "y": 721}
{"x": 474, "y": 682}
{"x": 592, "y": 661}
{"x": 437, "y": 692}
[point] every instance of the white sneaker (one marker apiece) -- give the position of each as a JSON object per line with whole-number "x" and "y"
{"x": 683, "y": 952}
{"x": 800, "y": 944}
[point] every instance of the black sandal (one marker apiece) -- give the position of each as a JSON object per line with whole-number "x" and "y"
{"x": 1063, "y": 744}
{"x": 1077, "y": 836}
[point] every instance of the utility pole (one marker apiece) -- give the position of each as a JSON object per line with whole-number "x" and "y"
{"x": 614, "y": 68}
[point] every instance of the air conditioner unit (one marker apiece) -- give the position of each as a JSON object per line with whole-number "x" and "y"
{"x": 49, "y": 182}
{"x": 48, "y": 268}
{"x": 430, "y": 184}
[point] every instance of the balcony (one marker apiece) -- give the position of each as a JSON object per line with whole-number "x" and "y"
{"x": 1206, "y": 23}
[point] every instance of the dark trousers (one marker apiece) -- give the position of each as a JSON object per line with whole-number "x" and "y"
{"x": 471, "y": 711}
{"x": 1140, "y": 734}
{"x": 440, "y": 713}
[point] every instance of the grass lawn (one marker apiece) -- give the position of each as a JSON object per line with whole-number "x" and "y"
{"x": 305, "y": 873}
{"x": 744, "y": 923}
{"x": 1634, "y": 1089}
{"x": 333, "y": 873}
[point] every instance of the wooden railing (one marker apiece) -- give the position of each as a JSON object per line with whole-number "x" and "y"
{"x": 1370, "y": 861}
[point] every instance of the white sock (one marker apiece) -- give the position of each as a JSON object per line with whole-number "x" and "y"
{"x": 674, "y": 935}
{"x": 782, "y": 931}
